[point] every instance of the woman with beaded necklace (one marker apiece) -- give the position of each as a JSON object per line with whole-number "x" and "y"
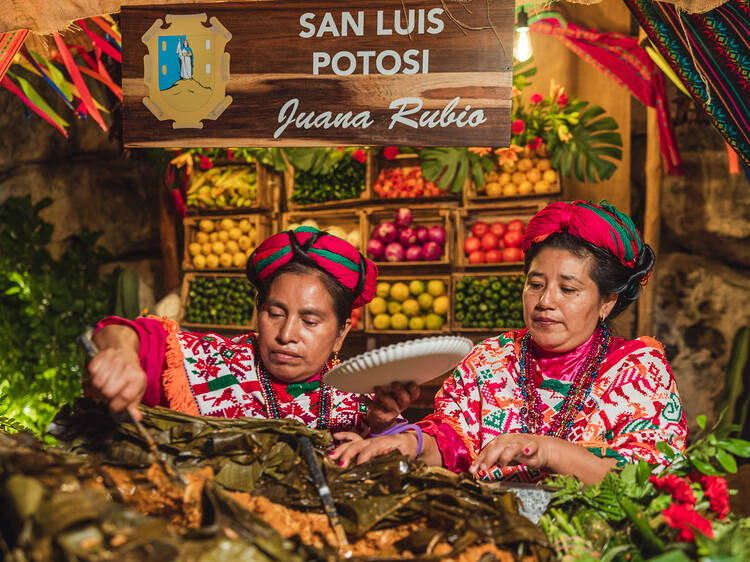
{"x": 308, "y": 283}
{"x": 562, "y": 395}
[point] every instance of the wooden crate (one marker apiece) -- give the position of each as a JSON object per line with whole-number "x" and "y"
{"x": 377, "y": 162}
{"x": 185, "y": 302}
{"x": 457, "y": 326}
{"x": 370, "y": 329}
{"x": 264, "y": 196}
{"x": 262, "y": 224}
{"x": 465, "y": 218}
{"x": 341, "y": 203}
{"x": 427, "y": 215}
{"x": 348, "y": 219}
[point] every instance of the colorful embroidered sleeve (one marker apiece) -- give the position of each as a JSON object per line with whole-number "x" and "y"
{"x": 644, "y": 408}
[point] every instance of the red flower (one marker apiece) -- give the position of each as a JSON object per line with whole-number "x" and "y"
{"x": 679, "y": 488}
{"x": 562, "y": 100}
{"x": 536, "y": 98}
{"x": 518, "y": 127}
{"x": 206, "y": 163}
{"x": 230, "y": 153}
{"x": 715, "y": 488}
{"x": 685, "y": 519}
{"x": 390, "y": 152}
{"x": 534, "y": 144}
{"x": 359, "y": 156}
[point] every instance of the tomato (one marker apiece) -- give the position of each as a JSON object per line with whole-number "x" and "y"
{"x": 498, "y": 228}
{"x": 494, "y": 256}
{"x": 489, "y": 241}
{"x": 513, "y": 239}
{"x": 516, "y": 224}
{"x": 479, "y": 228}
{"x": 512, "y": 254}
{"x": 472, "y": 244}
{"x": 477, "y": 257}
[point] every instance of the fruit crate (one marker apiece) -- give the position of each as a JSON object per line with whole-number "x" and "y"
{"x": 466, "y": 218}
{"x": 260, "y": 224}
{"x": 229, "y": 179}
{"x": 289, "y": 185}
{"x": 428, "y": 215}
{"x": 186, "y": 297}
{"x": 392, "y": 280}
{"x": 458, "y": 324}
{"x": 379, "y": 163}
{"x": 350, "y": 221}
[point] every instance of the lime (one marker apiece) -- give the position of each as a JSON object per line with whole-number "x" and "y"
{"x": 381, "y": 322}
{"x": 416, "y": 287}
{"x": 434, "y": 321}
{"x": 399, "y": 321}
{"x": 416, "y": 323}
{"x": 400, "y": 291}
{"x": 440, "y": 305}
{"x": 383, "y": 289}
{"x": 435, "y": 287}
{"x": 377, "y": 306}
{"x": 394, "y": 307}
{"x": 410, "y": 307}
{"x": 425, "y": 301}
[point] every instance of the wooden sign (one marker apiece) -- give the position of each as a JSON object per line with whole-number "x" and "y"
{"x": 302, "y": 73}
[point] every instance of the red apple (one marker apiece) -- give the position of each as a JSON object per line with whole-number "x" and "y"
{"x": 477, "y": 257}
{"x": 479, "y": 228}
{"x": 489, "y": 241}
{"x": 472, "y": 244}
{"x": 498, "y": 228}
{"x": 512, "y": 254}
{"x": 513, "y": 239}
{"x": 494, "y": 256}
{"x": 516, "y": 224}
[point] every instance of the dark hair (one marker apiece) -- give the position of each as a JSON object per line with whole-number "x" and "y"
{"x": 607, "y": 271}
{"x": 343, "y": 298}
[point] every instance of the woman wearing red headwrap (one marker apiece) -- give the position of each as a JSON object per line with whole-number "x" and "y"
{"x": 562, "y": 395}
{"x": 308, "y": 283}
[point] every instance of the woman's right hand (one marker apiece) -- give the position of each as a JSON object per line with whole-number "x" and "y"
{"x": 117, "y": 378}
{"x": 365, "y": 449}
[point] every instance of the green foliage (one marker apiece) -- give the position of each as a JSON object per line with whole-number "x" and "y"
{"x": 450, "y": 166}
{"x": 45, "y": 304}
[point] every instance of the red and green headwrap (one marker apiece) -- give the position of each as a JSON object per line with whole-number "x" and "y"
{"x": 601, "y": 225}
{"x": 328, "y": 252}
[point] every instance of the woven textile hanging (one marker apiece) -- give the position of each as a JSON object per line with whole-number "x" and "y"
{"x": 710, "y": 53}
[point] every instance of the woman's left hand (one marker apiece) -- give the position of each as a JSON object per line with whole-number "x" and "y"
{"x": 515, "y": 448}
{"x": 388, "y": 404}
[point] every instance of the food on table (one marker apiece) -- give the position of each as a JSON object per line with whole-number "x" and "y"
{"x": 222, "y": 243}
{"x": 223, "y": 186}
{"x": 346, "y": 181}
{"x": 495, "y": 242}
{"x": 220, "y": 300}
{"x": 351, "y": 235}
{"x": 404, "y": 182}
{"x": 491, "y": 302}
{"x": 415, "y": 305}
{"x": 402, "y": 240}
{"x": 529, "y": 175}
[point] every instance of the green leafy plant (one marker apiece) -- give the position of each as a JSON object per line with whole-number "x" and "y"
{"x": 450, "y": 166}
{"x": 45, "y": 304}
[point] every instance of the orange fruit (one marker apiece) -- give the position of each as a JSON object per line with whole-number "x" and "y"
{"x": 544, "y": 164}
{"x": 494, "y": 189}
{"x": 525, "y": 188}
{"x": 550, "y": 176}
{"x": 509, "y": 167}
{"x": 534, "y": 175}
{"x": 503, "y": 178}
{"x": 510, "y": 189}
{"x": 201, "y": 237}
{"x": 524, "y": 164}
{"x": 518, "y": 178}
{"x": 541, "y": 187}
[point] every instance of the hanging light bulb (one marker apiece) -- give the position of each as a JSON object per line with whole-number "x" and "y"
{"x": 522, "y": 46}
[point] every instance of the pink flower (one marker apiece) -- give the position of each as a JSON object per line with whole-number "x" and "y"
{"x": 535, "y": 143}
{"x": 685, "y": 519}
{"x": 518, "y": 127}
{"x": 715, "y": 488}
{"x": 359, "y": 156}
{"x": 677, "y": 487}
{"x": 206, "y": 163}
{"x": 230, "y": 154}
{"x": 390, "y": 152}
{"x": 562, "y": 100}
{"x": 536, "y": 98}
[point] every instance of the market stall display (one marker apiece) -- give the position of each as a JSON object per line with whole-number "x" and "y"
{"x": 344, "y": 223}
{"x": 211, "y": 301}
{"x": 222, "y": 242}
{"x": 344, "y": 183}
{"x": 490, "y": 236}
{"x": 485, "y": 302}
{"x": 231, "y": 188}
{"x": 409, "y": 234}
{"x": 407, "y": 305}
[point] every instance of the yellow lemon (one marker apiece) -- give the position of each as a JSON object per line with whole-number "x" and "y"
{"x": 226, "y": 260}
{"x": 244, "y": 225}
{"x": 399, "y": 321}
{"x": 524, "y": 164}
{"x": 213, "y": 237}
{"x": 394, "y": 307}
{"x": 416, "y": 323}
{"x": 534, "y": 175}
{"x": 434, "y": 322}
{"x": 206, "y": 248}
{"x": 377, "y": 306}
{"x": 239, "y": 259}
{"x": 440, "y": 305}
{"x": 525, "y": 188}
{"x": 226, "y": 224}
{"x": 232, "y": 247}
{"x": 510, "y": 190}
{"x": 199, "y": 261}
{"x": 223, "y": 236}
{"x": 410, "y": 307}
{"x": 425, "y": 301}
{"x": 550, "y": 176}
{"x": 417, "y": 287}
{"x": 206, "y": 225}
{"x": 544, "y": 164}
{"x": 235, "y": 233}
{"x": 217, "y": 248}
{"x": 494, "y": 189}
{"x": 400, "y": 291}
{"x": 383, "y": 289}
{"x": 212, "y": 261}
{"x": 194, "y": 249}
{"x": 436, "y": 287}
{"x": 244, "y": 242}
{"x": 381, "y": 322}
{"x": 201, "y": 237}
{"x": 518, "y": 178}
{"x": 503, "y": 178}
{"x": 541, "y": 187}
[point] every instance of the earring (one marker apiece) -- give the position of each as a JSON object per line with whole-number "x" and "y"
{"x": 336, "y": 359}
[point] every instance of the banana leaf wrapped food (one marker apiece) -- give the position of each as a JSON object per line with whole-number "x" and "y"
{"x": 246, "y": 486}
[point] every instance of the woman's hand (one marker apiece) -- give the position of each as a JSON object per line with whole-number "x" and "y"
{"x": 365, "y": 449}
{"x": 515, "y": 448}
{"x": 388, "y": 404}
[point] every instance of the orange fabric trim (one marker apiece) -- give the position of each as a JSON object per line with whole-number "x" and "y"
{"x": 652, "y": 342}
{"x": 174, "y": 379}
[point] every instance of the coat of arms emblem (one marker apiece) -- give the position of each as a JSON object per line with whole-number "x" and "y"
{"x": 186, "y": 70}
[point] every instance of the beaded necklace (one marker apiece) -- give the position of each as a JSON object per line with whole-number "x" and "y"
{"x": 562, "y": 421}
{"x": 272, "y": 403}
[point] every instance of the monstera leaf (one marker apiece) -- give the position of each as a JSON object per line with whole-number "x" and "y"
{"x": 450, "y": 166}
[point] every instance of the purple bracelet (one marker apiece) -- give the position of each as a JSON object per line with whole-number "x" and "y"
{"x": 402, "y": 428}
